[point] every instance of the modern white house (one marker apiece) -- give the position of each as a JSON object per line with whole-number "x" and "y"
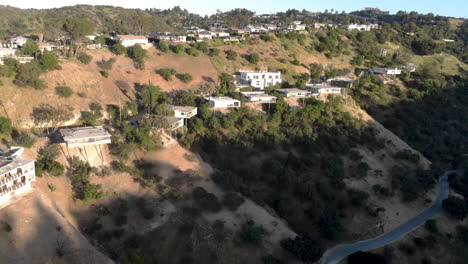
{"x": 44, "y": 46}
{"x": 20, "y": 40}
{"x": 168, "y": 36}
{"x": 184, "y": 111}
{"x": 293, "y": 92}
{"x": 409, "y": 68}
{"x": 362, "y": 27}
{"x": 205, "y": 35}
{"x": 259, "y": 97}
{"x": 223, "y": 102}
{"x": 389, "y": 71}
{"x": 174, "y": 122}
{"x": 84, "y": 136}
{"x": 130, "y": 40}
{"x": 324, "y": 89}
{"x": 16, "y": 174}
{"x": 7, "y": 52}
{"x": 257, "y": 79}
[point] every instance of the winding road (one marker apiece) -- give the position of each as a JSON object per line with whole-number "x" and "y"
{"x": 338, "y": 253}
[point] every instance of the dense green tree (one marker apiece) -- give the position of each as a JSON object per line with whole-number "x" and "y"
{"x": 30, "y": 48}
{"x": 137, "y": 54}
{"x": 254, "y": 58}
{"x": 455, "y": 207}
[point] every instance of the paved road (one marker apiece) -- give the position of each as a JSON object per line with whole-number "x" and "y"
{"x": 336, "y": 254}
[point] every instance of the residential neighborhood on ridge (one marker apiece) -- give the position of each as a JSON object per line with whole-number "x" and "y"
{"x": 151, "y": 135}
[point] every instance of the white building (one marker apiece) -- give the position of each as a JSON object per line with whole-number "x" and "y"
{"x": 205, "y": 35}
{"x": 130, "y": 40}
{"x": 84, "y": 136}
{"x": 324, "y": 89}
{"x": 293, "y": 92}
{"x": 363, "y": 27}
{"x": 389, "y": 71}
{"x": 16, "y": 174}
{"x": 259, "y": 97}
{"x": 43, "y": 46}
{"x": 341, "y": 81}
{"x": 184, "y": 111}
{"x": 223, "y": 102}
{"x": 4, "y": 52}
{"x": 20, "y": 40}
{"x": 174, "y": 122}
{"x": 257, "y": 79}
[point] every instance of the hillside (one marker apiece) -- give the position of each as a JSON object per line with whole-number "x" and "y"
{"x": 244, "y": 185}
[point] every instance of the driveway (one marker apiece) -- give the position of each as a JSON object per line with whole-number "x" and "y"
{"x": 338, "y": 253}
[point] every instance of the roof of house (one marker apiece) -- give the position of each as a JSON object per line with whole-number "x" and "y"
{"x": 220, "y": 98}
{"x": 6, "y": 166}
{"x": 83, "y": 132}
{"x": 342, "y": 78}
{"x": 182, "y": 108}
{"x": 131, "y": 37}
{"x": 292, "y": 90}
{"x": 259, "y": 96}
{"x": 172, "y": 119}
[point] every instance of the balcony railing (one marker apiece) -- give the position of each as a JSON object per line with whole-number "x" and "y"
{"x": 12, "y": 188}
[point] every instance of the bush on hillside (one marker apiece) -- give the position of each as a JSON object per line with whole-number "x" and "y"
{"x": 254, "y": 58}
{"x": 162, "y": 46}
{"x": 186, "y": 77}
{"x": 167, "y": 73}
{"x": 231, "y": 55}
{"x": 63, "y": 91}
{"x": 119, "y": 49}
{"x": 84, "y": 58}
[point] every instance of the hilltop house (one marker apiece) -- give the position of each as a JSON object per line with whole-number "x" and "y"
{"x": 130, "y": 40}
{"x": 6, "y": 52}
{"x": 343, "y": 82}
{"x": 184, "y": 111}
{"x": 223, "y": 102}
{"x": 19, "y": 40}
{"x": 259, "y": 97}
{"x": 324, "y": 89}
{"x": 363, "y": 27}
{"x": 257, "y": 79}
{"x": 16, "y": 174}
{"x": 293, "y": 92}
{"x": 174, "y": 122}
{"x": 168, "y": 36}
{"x": 389, "y": 71}
{"x": 205, "y": 35}
{"x": 84, "y": 136}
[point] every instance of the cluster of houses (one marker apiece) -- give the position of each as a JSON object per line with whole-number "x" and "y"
{"x": 257, "y": 81}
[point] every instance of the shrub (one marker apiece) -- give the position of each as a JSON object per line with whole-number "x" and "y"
{"x": 5, "y": 127}
{"x": 254, "y": 234}
{"x": 120, "y": 220}
{"x": 186, "y": 77}
{"x": 162, "y": 46}
{"x": 231, "y": 55}
{"x": 303, "y": 247}
{"x": 431, "y": 225}
{"x": 104, "y": 74}
{"x": 106, "y": 64}
{"x": 167, "y": 73}
{"x": 119, "y": 49}
{"x": 24, "y": 139}
{"x": 137, "y": 54}
{"x": 192, "y": 52}
{"x": 455, "y": 207}
{"x": 266, "y": 37}
{"x": 254, "y": 58}
{"x": 205, "y": 200}
{"x": 213, "y": 52}
{"x": 6, "y": 227}
{"x": 84, "y": 58}
{"x": 179, "y": 48}
{"x": 54, "y": 168}
{"x": 233, "y": 200}
{"x": 63, "y": 91}
{"x": 92, "y": 192}
{"x": 52, "y": 187}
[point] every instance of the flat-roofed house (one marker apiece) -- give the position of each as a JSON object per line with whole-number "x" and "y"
{"x": 344, "y": 82}
{"x": 223, "y": 102}
{"x": 130, "y": 40}
{"x": 7, "y": 52}
{"x": 324, "y": 89}
{"x": 389, "y": 71}
{"x": 84, "y": 136}
{"x": 16, "y": 174}
{"x": 293, "y": 92}
{"x": 184, "y": 111}
{"x": 259, "y": 97}
{"x": 257, "y": 79}
{"x": 174, "y": 122}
